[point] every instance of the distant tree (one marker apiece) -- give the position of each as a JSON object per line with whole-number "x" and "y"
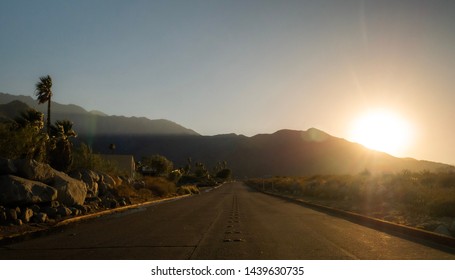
{"x": 112, "y": 147}
{"x": 200, "y": 171}
{"x": 224, "y": 174}
{"x": 60, "y": 154}
{"x": 188, "y": 166}
{"x": 158, "y": 165}
{"x": 43, "y": 91}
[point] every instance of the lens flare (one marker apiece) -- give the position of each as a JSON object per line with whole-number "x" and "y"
{"x": 382, "y": 131}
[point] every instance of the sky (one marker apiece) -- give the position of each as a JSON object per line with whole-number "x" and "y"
{"x": 244, "y": 67}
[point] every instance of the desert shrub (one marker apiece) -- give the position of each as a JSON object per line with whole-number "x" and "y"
{"x": 175, "y": 176}
{"x": 157, "y": 165}
{"x": 22, "y": 142}
{"x": 84, "y": 158}
{"x": 145, "y": 193}
{"x": 444, "y": 207}
{"x": 446, "y": 180}
{"x": 160, "y": 186}
{"x": 188, "y": 189}
{"x": 423, "y": 193}
{"x": 126, "y": 190}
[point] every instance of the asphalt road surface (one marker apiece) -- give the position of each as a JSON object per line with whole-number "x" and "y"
{"x": 231, "y": 222}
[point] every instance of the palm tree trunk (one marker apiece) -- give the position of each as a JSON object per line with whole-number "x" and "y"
{"x": 49, "y": 116}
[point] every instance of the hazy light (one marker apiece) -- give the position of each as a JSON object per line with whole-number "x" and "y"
{"x": 382, "y": 130}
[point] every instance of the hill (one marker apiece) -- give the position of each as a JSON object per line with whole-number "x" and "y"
{"x": 96, "y": 123}
{"x": 12, "y": 110}
{"x": 284, "y": 153}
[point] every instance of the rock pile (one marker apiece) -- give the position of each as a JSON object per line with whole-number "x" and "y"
{"x": 34, "y": 192}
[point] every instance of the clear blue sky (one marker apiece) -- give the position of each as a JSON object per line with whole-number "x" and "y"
{"x": 243, "y": 66}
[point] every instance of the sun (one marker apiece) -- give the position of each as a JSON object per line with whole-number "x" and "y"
{"x": 383, "y": 131}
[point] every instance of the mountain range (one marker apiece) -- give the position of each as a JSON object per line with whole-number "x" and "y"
{"x": 284, "y": 153}
{"x": 95, "y": 123}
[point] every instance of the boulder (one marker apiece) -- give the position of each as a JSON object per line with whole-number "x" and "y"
{"x": 35, "y": 208}
{"x": 90, "y": 178}
{"x": 11, "y": 214}
{"x": 118, "y": 181}
{"x": 7, "y": 167}
{"x": 75, "y": 211}
{"x": 51, "y": 212}
{"x": 69, "y": 190}
{"x": 109, "y": 202}
{"x": 26, "y": 215}
{"x": 83, "y": 209}
{"x": 40, "y": 218}
{"x": 34, "y": 170}
{"x": 64, "y": 211}
{"x": 18, "y": 191}
{"x": 106, "y": 184}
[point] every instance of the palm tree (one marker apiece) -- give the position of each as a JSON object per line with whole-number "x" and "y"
{"x": 43, "y": 91}
{"x": 63, "y": 130}
{"x": 61, "y": 152}
{"x": 31, "y": 118}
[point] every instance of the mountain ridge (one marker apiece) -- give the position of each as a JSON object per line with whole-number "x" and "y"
{"x": 100, "y": 123}
{"x": 285, "y": 152}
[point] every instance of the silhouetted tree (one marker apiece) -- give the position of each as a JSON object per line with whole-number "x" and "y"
{"x": 43, "y": 91}
{"x": 200, "y": 171}
{"x": 31, "y": 118}
{"x": 60, "y": 155}
{"x": 112, "y": 147}
{"x": 224, "y": 174}
{"x": 158, "y": 165}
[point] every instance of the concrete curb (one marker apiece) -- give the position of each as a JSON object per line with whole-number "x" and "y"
{"x": 116, "y": 210}
{"x": 23, "y": 235}
{"x": 375, "y": 223}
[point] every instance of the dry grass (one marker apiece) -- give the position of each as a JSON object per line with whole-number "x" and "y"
{"x": 151, "y": 188}
{"x": 408, "y": 198}
{"x": 160, "y": 186}
{"x": 188, "y": 189}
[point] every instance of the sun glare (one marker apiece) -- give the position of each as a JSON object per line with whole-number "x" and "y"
{"x": 382, "y": 131}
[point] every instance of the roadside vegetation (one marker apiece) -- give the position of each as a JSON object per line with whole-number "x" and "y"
{"x": 30, "y": 136}
{"x": 423, "y": 199}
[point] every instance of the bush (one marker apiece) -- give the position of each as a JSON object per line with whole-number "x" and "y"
{"x": 422, "y": 193}
{"x": 188, "y": 189}
{"x": 84, "y": 158}
{"x": 160, "y": 186}
{"x": 23, "y": 142}
{"x": 125, "y": 190}
{"x": 157, "y": 165}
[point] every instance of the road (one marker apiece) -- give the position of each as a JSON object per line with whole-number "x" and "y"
{"x": 231, "y": 222}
